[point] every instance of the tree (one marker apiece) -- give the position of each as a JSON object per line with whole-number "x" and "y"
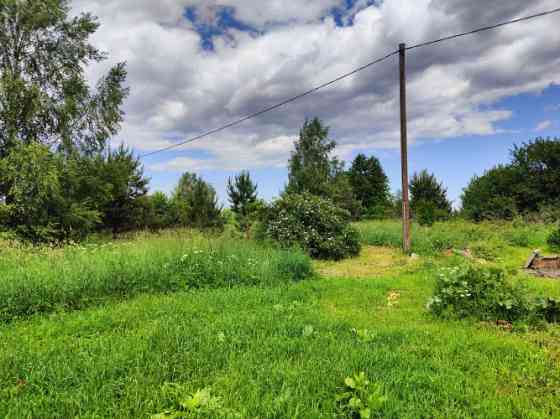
{"x": 529, "y": 184}
{"x": 242, "y": 193}
{"x": 158, "y": 212}
{"x": 311, "y": 167}
{"x": 428, "y": 198}
{"x": 342, "y": 195}
{"x": 196, "y": 203}
{"x": 492, "y": 195}
{"x": 370, "y": 184}
{"x": 538, "y": 166}
{"x": 122, "y": 189}
{"x": 44, "y": 94}
{"x": 42, "y": 204}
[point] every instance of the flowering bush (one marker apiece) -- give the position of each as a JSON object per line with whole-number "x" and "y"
{"x": 473, "y": 291}
{"x": 312, "y": 223}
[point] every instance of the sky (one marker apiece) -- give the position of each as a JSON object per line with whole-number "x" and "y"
{"x": 194, "y": 65}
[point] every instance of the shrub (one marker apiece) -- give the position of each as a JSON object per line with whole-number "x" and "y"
{"x": 484, "y": 293}
{"x": 485, "y": 250}
{"x": 554, "y": 239}
{"x": 314, "y": 224}
{"x": 427, "y": 213}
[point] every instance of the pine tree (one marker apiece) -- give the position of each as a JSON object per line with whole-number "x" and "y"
{"x": 311, "y": 167}
{"x": 370, "y": 184}
{"x": 242, "y": 193}
{"x": 428, "y": 198}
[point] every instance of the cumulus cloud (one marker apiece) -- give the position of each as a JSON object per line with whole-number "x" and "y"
{"x": 179, "y": 89}
{"x": 544, "y": 125}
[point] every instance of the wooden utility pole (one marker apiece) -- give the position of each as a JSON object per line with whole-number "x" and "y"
{"x": 404, "y": 151}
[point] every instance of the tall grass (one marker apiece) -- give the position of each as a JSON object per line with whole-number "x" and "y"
{"x": 49, "y": 279}
{"x": 456, "y": 234}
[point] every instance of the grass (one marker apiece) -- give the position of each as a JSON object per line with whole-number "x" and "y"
{"x": 456, "y": 234}
{"x": 280, "y": 348}
{"x": 45, "y": 280}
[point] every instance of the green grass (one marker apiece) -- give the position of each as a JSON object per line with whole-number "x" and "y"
{"x": 280, "y": 349}
{"x": 44, "y": 280}
{"x": 456, "y": 234}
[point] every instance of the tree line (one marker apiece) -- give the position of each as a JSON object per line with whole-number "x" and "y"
{"x": 60, "y": 179}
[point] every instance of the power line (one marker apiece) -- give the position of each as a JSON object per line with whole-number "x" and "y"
{"x": 344, "y": 76}
{"x": 271, "y": 108}
{"x": 483, "y": 29}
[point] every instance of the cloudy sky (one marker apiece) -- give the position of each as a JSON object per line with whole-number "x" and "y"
{"x": 198, "y": 64}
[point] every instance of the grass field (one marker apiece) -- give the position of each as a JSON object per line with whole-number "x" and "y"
{"x": 133, "y": 328}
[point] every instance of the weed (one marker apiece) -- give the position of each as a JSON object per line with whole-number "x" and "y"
{"x": 198, "y": 404}
{"x": 360, "y": 398}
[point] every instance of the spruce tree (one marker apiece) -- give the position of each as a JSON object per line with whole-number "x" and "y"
{"x": 311, "y": 167}
{"x": 370, "y": 184}
{"x": 242, "y": 193}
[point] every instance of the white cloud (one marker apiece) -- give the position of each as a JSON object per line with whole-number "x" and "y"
{"x": 544, "y": 125}
{"x": 180, "y": 90}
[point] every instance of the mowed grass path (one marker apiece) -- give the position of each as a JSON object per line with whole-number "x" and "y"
{"x": 280, "y": 352}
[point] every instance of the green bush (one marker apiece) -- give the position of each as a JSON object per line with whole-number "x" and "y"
{"x": 427, "y": 213}
{"x": 468, "y": 291}
{"x": 314, "y": 224}
{"x": 554, "y": 240}
{"x": 485, "y": 250}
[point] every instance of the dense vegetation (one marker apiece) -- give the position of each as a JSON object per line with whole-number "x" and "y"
{"x": 313, "y": 223}
{"x": 269, "y": 346}
{"x": 528, "y": 185}
{"x": 49, "y": 279}
{"x": 115, "y": 302}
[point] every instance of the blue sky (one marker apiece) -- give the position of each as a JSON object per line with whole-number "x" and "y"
{"x": 198, "y": 64}
{"x": 453, "y": 161}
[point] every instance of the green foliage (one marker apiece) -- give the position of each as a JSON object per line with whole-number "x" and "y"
{"x": 314, "y": 224}
{"x": 44, "y": 94}
{"x": 538, "y": 165}
{"x": 427, "y": 213}
{"x": 428, "y": 198}
{"x": 361, "y": 398}
{"x": 198, "y": 404}
{"x": 491, "y": 196}
{"x": 123, "y": 184}
{"x": 311, "y": 167}
{"x": 270, "y": 351}
{"x": 454, "y": 234}
{"x": 370, "y": 185}
{"x": 554, "y": 240}
{"x": 48, "y": 280}
{"x": 242, "y": 193}
{"x": 196, "y": 203}
{"x": 529, "y": 184}
{"x": 342, "y": 195}
{"x": 487, "y": 250}
{"x": 158, "y": 212}
{"x": 470, "y": 291}
{"x": 41, "y": 203}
